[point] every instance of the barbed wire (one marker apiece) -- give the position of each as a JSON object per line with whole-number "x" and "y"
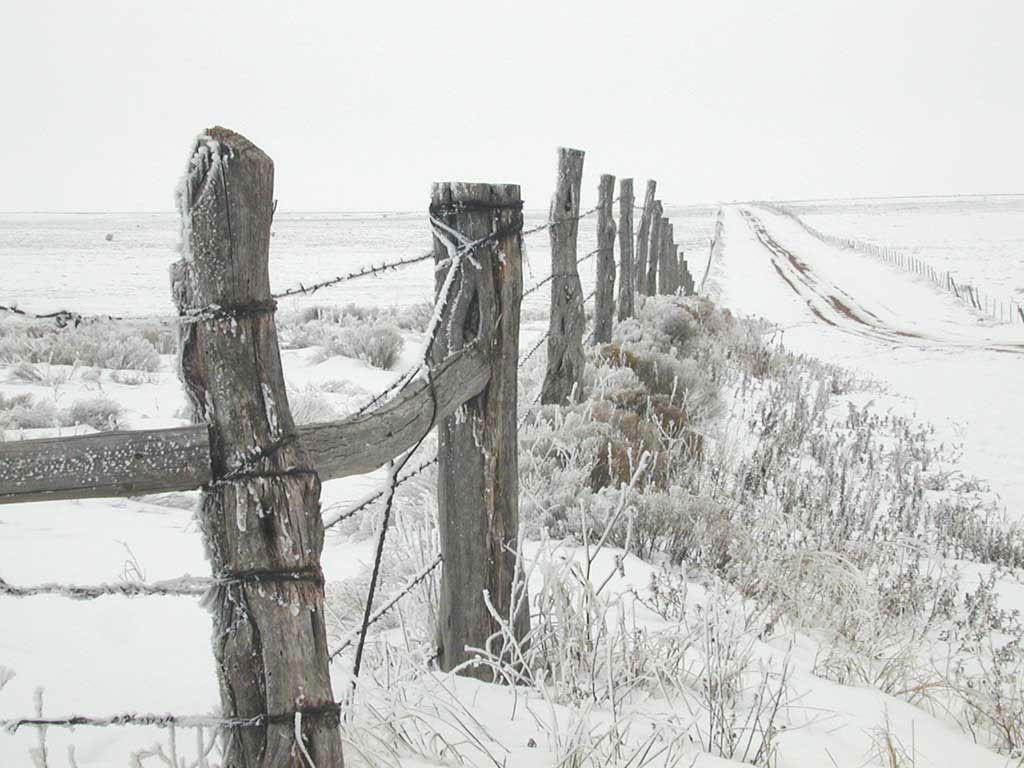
{"x": 555, "y": 222}
{"x": 553, "y": 275}
{"x": 459, "y": 247}
{"x": 368, "y": 500}
{"x": 65, "y": 317}
{"x": 301, "y": 289}
{"x": 12, "y": 725}
{"x": 390, "y": 603}
{"x": 183, "y": 586}
{"x": 198, "y": 586}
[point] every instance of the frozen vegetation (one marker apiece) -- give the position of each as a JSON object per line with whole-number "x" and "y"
{"x": 738, "y": 551}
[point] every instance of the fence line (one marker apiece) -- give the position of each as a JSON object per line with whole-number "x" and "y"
{"x": 427, "y": 391}
{"x": 1005, "y": 310}
{"x": 64, "y": 317}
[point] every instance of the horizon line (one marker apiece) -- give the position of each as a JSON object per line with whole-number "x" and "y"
{"x": 952, "y": 196}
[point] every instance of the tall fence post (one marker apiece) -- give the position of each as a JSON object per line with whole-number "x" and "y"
{"x": 478, "y": 460}
{"x": 604, "y": 296}
{"x": 260, "y": 515}
{"x": 626, "y": 287}
{"x": 564, "y": 376}
{"x": 643, "y": 238}
{"x": 654, "y": 251}
{"x": 667, "y": 277}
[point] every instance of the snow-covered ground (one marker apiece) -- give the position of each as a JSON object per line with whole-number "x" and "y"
{"x": 944, "y": 362}
{"x": 937, "y": 359}
{"x": 980, "y": 239}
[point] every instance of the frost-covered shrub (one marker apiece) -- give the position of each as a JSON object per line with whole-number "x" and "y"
{"x": 378, "y": 345}
{"x": 132, "y": 378}
{"x": 97, "y": 344}
{"x": 310, "y": 406}
{"x": 316, "y": 325}
{"x": 24, "y": 412}
{"x": 98, "y": 412}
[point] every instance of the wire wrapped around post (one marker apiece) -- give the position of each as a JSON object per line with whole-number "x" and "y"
{"x": 478, "y": 466}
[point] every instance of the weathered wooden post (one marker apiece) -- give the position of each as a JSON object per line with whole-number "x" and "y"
{"x": 666, "y": 269}
{"x": 604, "y": 296}
{"x": 643, "y": 239}
{"x": 654, "y": 251}
{"x": 685, "y": 278}
{"x": 478, "y": 464}
{"x": 625, "y": 249}
{"x": 260, "y": 514}
{"x": 564, "y": 376}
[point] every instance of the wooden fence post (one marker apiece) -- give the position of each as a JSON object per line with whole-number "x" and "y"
{"x": 260, "y": 515}
{"x": 604, "y": 296}
{"x": 654, "y": 251}
{"x": 625, "y": 249}
{"x": 666, "y": 269}
{"x": 643, "y": 239}
{"x": 478, "y": 464}
{"x": 564, "y": 376}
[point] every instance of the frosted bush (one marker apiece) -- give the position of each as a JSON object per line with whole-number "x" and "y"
{"x": 100, "y": 344}
{"x": 98, "y": 412}
{"x": 24, "y": 412}
{"x": 310, "y": 406}
{"x": 378, "y": 345}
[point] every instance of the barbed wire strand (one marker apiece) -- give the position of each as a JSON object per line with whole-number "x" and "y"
{"x": 374, "y": 495}
{"x": 167, "y": 720}
{"x": 553, "y": 275}
{"x": 183, "y": 586}
{"x": 456, "y": 254}
{"x": 65, "y": 317}
{"x": 390, "y": 603}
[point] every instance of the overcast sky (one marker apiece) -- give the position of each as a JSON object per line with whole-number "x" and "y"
{"x": 363, "y": 104}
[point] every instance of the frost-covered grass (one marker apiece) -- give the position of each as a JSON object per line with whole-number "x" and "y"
{"x": 827, "y": 516}
{"x": 25, "y": 411}
{"x": 718, "y": 533}
{"x": 378, "y": 345}
{"x": 369, "y": 334}
{"x": 117, "y": 345}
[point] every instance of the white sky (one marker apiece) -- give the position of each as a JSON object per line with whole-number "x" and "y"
{"x": 362, "y": 105}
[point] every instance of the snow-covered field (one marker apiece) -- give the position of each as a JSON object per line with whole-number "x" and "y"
{"x": 936, "y": 360}
{"x": 979, "y": 239}
{"x": 54, "y": 261}
{"x": 944, "y": 362}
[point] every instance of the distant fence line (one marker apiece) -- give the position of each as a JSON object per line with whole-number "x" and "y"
{"x": 247, "y": 456}
{"x": 1003, "y": 310}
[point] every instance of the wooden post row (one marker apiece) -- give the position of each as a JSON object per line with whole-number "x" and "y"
{"x": 260, "y": 515}
{"x": 604, "y": 295}
{"x": 478, "y": 466}
{"x": 643, "y": 239}
{"x": 626, "y": 286}
{"x": 666, "y": 278}
{"x": 563, "y": 378}
{"x": 651, "y": 284}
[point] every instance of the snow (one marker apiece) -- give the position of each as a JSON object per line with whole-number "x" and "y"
{"x": 154, "y": 654}
{"x": 953, "y": 367}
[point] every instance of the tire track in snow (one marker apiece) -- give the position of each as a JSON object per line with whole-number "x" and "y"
{"x": 836, "y": 307}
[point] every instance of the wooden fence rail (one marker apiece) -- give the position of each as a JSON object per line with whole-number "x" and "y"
{"x": 134, "y": 463}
